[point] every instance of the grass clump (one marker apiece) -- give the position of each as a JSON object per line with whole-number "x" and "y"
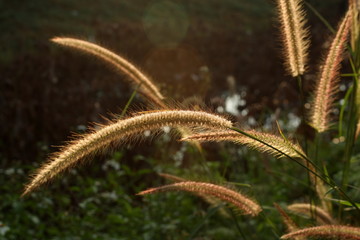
{"x": 323, "y": 186}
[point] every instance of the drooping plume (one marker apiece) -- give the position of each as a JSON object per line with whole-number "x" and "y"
{"x": 294, "y": 35}
{"x": 326, "y": 231}
{"x": 287, "y": 147}
{"x": 290, "y": 224}
{"x": 212, "y": 201}
{"x": 244, "y": 204}
{"x": 321, "y": 216}
{"x": 269, "y": 143}
{"x": 122, "y": 130}
{"x": 326, "y": 86}
{"x": 147, "y": 87}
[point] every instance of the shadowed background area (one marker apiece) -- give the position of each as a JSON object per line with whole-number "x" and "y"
{"x": 190, "y": 48}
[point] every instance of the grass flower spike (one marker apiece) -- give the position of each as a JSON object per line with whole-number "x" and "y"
{"x": 120, "y": 64}
{"x": 212, "y": 201}
{"x": 294, "y": 35}
{"x": 246, "y": 205}
{"x": 326, "y": 85}
{"x": 326, "y": 231}
{"x": 321, "y": 216}
{"x": 289, "y": 223}
{"x": 291, "y": 149}
{"x": 122, "y": 130}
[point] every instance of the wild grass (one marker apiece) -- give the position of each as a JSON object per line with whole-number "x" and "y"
{"x": 324, "y": 187}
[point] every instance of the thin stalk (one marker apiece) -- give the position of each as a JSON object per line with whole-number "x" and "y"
{"x": 209, "y": 214}
{"x": 123, "y": 112}
{"x": 342, "y": 109}
{"x": 350, "y": 136}
{"x": 237, "y": 225}
{"x": 302, "y": 108}
{"x": 322, "y": 19}
{"x": 321, "y": 160}
{"x": 300, "y": 85}
{"x": 352, "y": 119}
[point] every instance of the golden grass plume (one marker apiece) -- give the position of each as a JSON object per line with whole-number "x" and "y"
{"x": 289, "y": 223}
{"x": 212, "y": 201}
{"x": 242, "y": 203}
{"x": 326, "y": 85}
{"x": 327, "y": 231}
{"x": 147, "y": 87}
{"x": 321, "y": 216}
{"x": 294, "y": 35}
{"x": 285, "y": 146}
{"x": 121, "y": 130}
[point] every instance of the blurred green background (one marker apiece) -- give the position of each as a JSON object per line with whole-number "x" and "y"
{"x": 191, "y": 49}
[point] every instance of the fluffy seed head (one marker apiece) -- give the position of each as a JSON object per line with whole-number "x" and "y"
{"x": 294, "y": 35}
{"x": 122, "y": 130}
{"x": 212, "y": 201}
{"x": 327, "y": 81}
{"x": 327, "y": 231}
{"x": 120, "y": 64}
{"x": 290, "y": 224}
{"x": 287, "y": 147}
{"x": 321, "y": 216}
{"x": 244, "y": 204}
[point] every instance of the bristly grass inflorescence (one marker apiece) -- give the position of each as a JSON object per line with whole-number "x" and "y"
{"x": 137, "y": 77}
{"x": 242, "y": 203}
{"x": 294, "y": 35}
{"x": 326, "y": 87}
{"x": 285, "y": 146}
{"x": 327, "y": 232}
{"x": 321, "y": 216}
{"x": 122, "y": 130}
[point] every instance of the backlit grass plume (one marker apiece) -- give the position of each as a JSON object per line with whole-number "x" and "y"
{"x": 212, "y": 201}
{"x": 122, "y": 130}
{"x": 326, "y": 231}
{"x": 277, "y": 142}
{"x": 321, "y": 216}
{"x": 326, "y": 86}
{"x": 289, "y": 223}
{"x": 136, "y": 76}
{"x": 244, "y": 204}
{"x": 294, "y": 35}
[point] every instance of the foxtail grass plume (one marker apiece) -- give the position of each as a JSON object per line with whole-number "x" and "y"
{"x": 321, "y": 216}
{"x": 327, "y": 81}
{"x": 119, "y": 63}
{"x": 326, "y": 231}
{"x": 285, "y": 146}
{"x": 242, "y": 203}
{"x": 294, "y": 35}
{"x": 289, "y": 223}
{"x": 354, "y": 6}
{"x": 122, "y": 130}
{"x": 269, "y": 143}
{"x": 172, "y": 177}
{"x": 212, "y": 201}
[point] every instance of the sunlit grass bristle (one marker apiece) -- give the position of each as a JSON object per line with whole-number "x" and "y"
{"x": 294, "y": 35}
{"x": 321, "y": 216}
{"x": 326, "y": 232}
{"x": 289, "y": 223}
{"x": 326, "y": 87}
{"x": 121, "y": 130}
{"x": 241, "y": 202}
{"x": 138, "y": 78}
{"x": 212, "y": 201}
{"x": 277, "y": 142}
